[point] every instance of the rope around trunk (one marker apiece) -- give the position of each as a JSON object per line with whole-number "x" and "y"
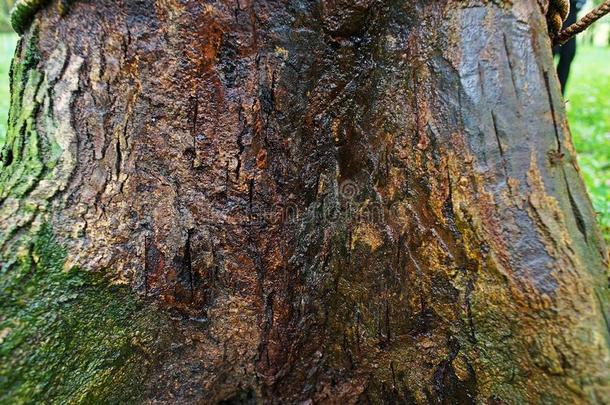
{"x": 584, "y": 23}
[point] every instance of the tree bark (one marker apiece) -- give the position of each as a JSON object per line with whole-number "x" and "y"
{"x": 296, "y": 201}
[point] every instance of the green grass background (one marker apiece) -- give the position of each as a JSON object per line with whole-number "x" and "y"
{"x": 588, "y": 104}
{"x": 7, "y": 48}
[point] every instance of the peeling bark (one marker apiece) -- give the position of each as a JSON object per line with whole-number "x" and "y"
{"x": 333, "y": 201}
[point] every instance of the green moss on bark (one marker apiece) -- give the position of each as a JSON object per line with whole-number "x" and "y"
{"x": 21, "y": 163}
{"x": 23, "y": 13}
{"x": 67, "y": 335}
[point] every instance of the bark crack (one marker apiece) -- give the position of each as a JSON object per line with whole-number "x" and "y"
{"x": 510, "y": 65}
{"x": 500, "y": 147}
{"x": 580, "y": 222}
{"x": 552, "y": 105}
{"x": 188, "y": 262}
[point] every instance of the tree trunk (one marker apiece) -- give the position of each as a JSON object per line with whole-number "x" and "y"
{"x": 283, "y": 201}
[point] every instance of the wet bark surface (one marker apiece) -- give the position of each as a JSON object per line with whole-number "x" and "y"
{"x": 333, "y": 201}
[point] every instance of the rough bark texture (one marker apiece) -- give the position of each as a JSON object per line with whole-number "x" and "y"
{"x": 332, "y": 201}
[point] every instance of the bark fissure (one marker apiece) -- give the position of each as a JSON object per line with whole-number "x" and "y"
{"x": 578, "y": 217}
{"x": 552, "y": 106}
{"x": 510, "y": 65}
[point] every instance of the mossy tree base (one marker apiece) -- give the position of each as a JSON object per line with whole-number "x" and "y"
{"x": 66, "y": 336}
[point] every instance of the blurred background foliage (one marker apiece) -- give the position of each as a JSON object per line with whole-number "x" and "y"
{"x": 588, "y": 105}
{"x": 587, "y": 102}
{"x": 5, "y": 7}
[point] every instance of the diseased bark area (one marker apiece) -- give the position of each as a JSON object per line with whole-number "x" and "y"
{"x": 353, "y": 201}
